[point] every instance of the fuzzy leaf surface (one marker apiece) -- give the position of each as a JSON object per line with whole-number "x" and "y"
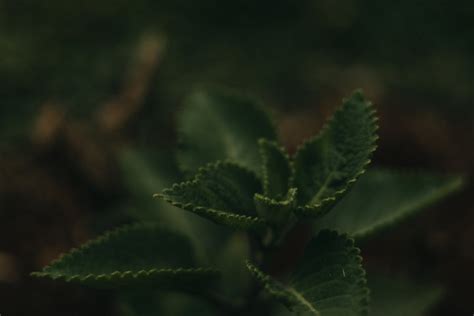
{"x": 383, "y": 197}
{"x": 328, "y": 164}
{"x": 276, "y": 169}
{"x": 222, "y": 192}
{"x": 219, "y": 125}
{"x": 329, "y": 281}
{"x": 141, "y": 255}
{"x": 276, "y": 211}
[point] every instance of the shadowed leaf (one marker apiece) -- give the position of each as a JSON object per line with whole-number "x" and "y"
{"x": 222, "y": 192}
{"x": 276, "y": 211}
{"x": 276, "y": 169}
{"x": 328, "y": 164}
{"x": 383, "y": 197}
{"x": 138, "y": 255}
{"x": 395, "y": 296}
{"x": 329, "y": 281}
{"x": 219, "y": 125}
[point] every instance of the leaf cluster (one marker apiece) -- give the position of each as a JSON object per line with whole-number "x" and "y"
{"x": 238, "y": 176}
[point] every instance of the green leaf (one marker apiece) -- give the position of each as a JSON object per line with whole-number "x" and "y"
{"x": 276, "y": 211}
{"x": 276, "y": 169}
{"x": 133, "y": 256}
{"x": 143, "y": 175}
{"x": 329, "y": 281}
{"x": 328, "y": 164}
{"x": 383, "y": 197}
{"x": 395, "y": 296}
{"x": 220, "y": 125}
{"x": 222, "y": 192}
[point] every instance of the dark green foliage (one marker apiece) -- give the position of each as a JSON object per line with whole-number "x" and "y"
{"x": 328, "y": 164}
{"x": 141, "y": 303}
{"x": 245, "y": 181}
{"x": 329, "y": 280}
{"x": 144, "y": 175}
{"x": 324, "y": 167}
{"x": 221, "y": 126}
{"x": 276, "y": 169}
{"x": 140, "y": 255}
{"x": 397, "y": 296}
{"x": 222, "y": 192}
{"x": 384, "y": 197}
{"x": 276, "y": 211}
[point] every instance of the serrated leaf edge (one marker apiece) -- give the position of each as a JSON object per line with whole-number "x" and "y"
{"x": 265, "y": 281}
{"x": 362, "y": 274}
{"x": 313, "y": 210}
{"x": 282, "y": 295}
{"x": 218, "y": 216}
{"x": 116, "y": 274}
{"x": 129, "y": 274}
{"x": 291, "y": 197}
{"x": 264, "y": 157}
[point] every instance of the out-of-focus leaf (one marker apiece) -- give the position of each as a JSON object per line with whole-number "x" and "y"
{"x": 148, "y": 303}
{"x": 395, "y": 296}
{"x": 220, "y": 125}
{"x": 143, "y": 176}
{"x": 383, "y": 197}
{"x": 236, "y": 279}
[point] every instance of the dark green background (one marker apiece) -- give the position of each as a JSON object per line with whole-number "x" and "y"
{"x": 415, "y": 59}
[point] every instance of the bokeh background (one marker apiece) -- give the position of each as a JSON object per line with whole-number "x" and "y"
{"x": 89, "y": 92}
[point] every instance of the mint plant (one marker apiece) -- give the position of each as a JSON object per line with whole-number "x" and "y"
{"x": 236, "y": 175}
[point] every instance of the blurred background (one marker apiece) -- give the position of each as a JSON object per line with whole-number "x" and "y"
{"x": 89, "y": 92}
